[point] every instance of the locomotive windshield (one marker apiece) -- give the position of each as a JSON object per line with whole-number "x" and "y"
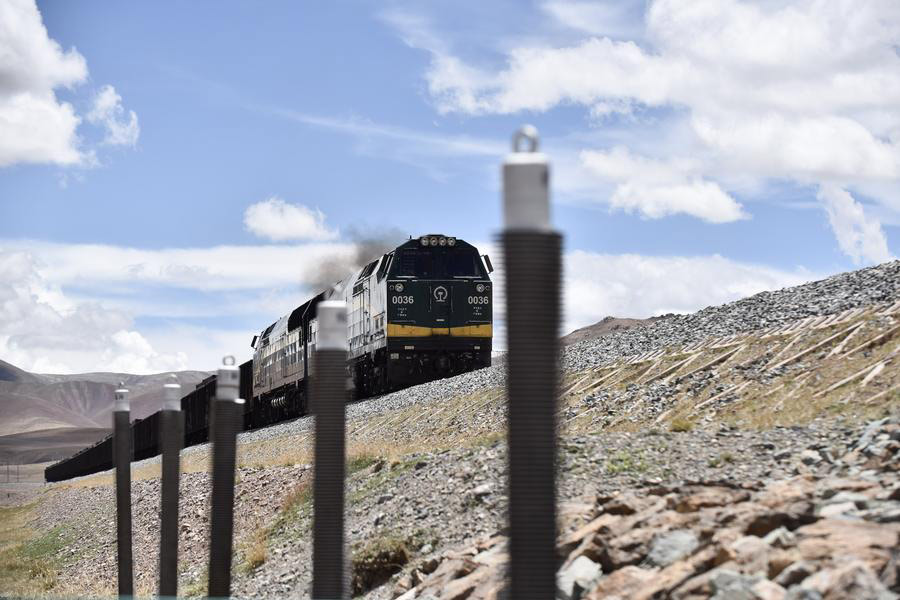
{"x": 439, "y": 263}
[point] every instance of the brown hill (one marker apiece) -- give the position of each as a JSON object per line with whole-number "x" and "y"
{"x": 10, "y": 372}
{"x": 603, "y": 327}
{"x": 41, "y": 404}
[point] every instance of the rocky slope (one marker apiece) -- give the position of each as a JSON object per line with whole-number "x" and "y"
{"x": 745, "y": 451}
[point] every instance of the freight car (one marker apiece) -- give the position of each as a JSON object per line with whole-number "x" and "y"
{"x": 145, "y": 432}
{"x": 419, "y": 312}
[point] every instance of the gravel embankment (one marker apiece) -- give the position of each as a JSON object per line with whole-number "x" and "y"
{"x": 429, "y": 502}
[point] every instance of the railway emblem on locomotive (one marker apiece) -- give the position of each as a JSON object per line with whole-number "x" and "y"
{"x": 440, "y": 293}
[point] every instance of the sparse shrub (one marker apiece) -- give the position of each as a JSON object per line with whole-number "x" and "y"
{"x": 375, "y": 562}
{"x": 255, "y": 554}
{"x": 298, "y": 497}
{"x": 360, "y": 461}
{"x": 625, "y": 462}
{"x": 680, "y": 424}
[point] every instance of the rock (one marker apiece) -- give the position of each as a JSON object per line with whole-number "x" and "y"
{"x": 836, "y": 509}
{"x": 780, "y": 559}
{"x": 429, "y": 566}
{"x": 871, "y": 542}
{"x": 622, "y": 584}
{"x": 579, "y": 577}
{"x": 799, "y": 593}
{"x": 768, "y": 590}
{"x": 482, "y": 490}
{"x": 625, "y": 504}
{"x": 860, "y": 500}
{"x": 780, "y": 538}
{"x": 750, "y": 553}
{"x": 672, "y": 546}
{"x": 850, "y": 580}
{"x": 810, "y": 457}
{"x": 795, "y": 573}
{"x": 730, "y": 585}
{"x": 709, "y": 497}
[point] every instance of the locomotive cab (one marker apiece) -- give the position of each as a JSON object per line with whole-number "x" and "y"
{"x": 438, "y": 310}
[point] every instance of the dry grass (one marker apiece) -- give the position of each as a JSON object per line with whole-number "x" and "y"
{"x": 375, "y": 562}
{"x": 27, "y": 561}
{"x": 681, "y": 424}
{"x": 256, "y": 551}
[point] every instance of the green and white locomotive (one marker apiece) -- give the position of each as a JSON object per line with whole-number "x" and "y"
{"x": 420, "y": 312}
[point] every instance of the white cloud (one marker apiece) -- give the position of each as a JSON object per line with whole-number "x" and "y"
{"x": 805, "y": 90}
{"x": 44, "y": 331}
{"x": 35, "y": 126}
{"x": 201, "y": 269}
{"x": 416, "y": 148}
{"x": 121, "y": 129}
{"x": 858, "y": 236}
{"x": 631, "y": 285}
{"x": 277, "y": 220}
{"x": 661, "y": 188}
{"x": 612, "y": 18}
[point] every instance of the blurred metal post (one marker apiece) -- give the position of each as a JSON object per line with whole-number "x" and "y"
{"x": 531, "y": 252}
{"x": 171, "y": 425}
{"x": 122, "y": 453}
{"x": 225, "y": 423}
{"x": 329, "y": 396}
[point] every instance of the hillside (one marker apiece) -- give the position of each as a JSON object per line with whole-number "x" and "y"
{"x": 51, "y": 416}
{"x": 748, "y": 450}
{"x": 603, "y": 327}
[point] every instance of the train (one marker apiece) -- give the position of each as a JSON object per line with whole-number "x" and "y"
{"x": 420, "y": 312}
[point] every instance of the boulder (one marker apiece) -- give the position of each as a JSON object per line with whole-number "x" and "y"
{"x": 672, "y": 546}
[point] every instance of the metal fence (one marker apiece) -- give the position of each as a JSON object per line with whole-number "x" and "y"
{"x": 532, "y": 251}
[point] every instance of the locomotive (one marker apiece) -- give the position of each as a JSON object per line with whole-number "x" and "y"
{"x": 420, "y": 312}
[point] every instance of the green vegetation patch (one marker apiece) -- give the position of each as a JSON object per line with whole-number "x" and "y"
{"x": 361, "y": 461}
{"x": 376, "y": 561}
{"x": 626, "y": 462}
{"x": 27, "y": 564}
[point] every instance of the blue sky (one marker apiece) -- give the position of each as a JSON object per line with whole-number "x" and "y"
{"x": 701, "y": 152}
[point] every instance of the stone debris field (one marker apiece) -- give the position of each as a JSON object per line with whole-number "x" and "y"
{"x": 750, "y": 450}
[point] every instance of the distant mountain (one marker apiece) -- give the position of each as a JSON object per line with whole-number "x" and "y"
{"x": 603, "y": 327}
{"x": 9, "y": 372}
{"x": 53, "y": 412}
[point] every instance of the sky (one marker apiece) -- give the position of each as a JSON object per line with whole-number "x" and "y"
{"x": 173, "y": 175}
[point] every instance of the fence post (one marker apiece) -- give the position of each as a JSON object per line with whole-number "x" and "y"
{"x": 329, "y": 395}
{"x": 532, "y": 253}
{"x": 171, "y": 425}
{"x": 122, "y": 453}
{"x": 225, "y": 414}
